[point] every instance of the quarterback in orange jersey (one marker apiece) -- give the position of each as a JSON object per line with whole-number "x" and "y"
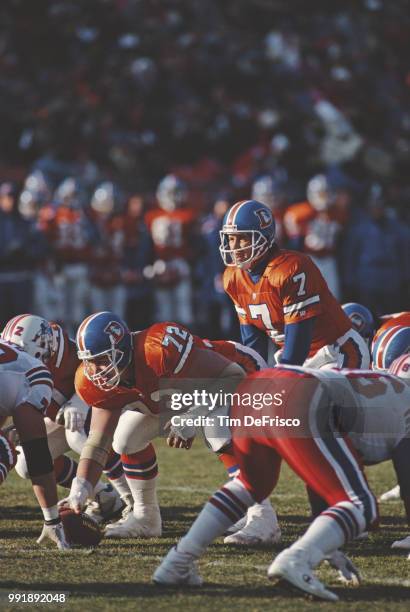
{"x": 132, "y": 380}
{"x": 281, "y": 295}
{"x": 37, "y": 337}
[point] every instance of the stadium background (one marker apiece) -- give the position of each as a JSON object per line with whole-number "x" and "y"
{"x": 218, "y": 94}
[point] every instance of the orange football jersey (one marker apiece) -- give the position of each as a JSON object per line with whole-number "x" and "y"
{"x": 67, "y": 232}
{"x": 63, "y": 366}
{"x": 291, "y": 289}
{"x": 170, "y": 232}
{"x": 161, "y": 351}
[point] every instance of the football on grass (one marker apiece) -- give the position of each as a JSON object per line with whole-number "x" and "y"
{"x": 80, "y": 529}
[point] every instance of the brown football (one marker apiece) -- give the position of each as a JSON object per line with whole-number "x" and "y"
{"x": 80, "y": 529}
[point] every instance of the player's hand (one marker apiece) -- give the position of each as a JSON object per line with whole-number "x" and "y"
{"x": 81, "y": 491}
{"x": 404, "y": 544}
{"x": 348, "y": 572}
{"x": 181, "y": 436}
{"x": 56, "y": 534}
{"x": 74, "y": 419}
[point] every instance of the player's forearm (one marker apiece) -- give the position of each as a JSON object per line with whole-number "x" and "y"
{"x": 89, "y": 470}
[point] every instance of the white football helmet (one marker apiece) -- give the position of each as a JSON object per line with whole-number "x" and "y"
{"x": 171, "y": 193}
{"x": 33, "y": 334}
{"x": 401, "y": 366}
{"x": 103, "y": 200}
{"x": 319, "y": 192}
{"x": 68, "y": 193}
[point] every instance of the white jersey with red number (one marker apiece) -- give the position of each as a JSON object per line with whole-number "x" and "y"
{"x": 372, "y": 408}
{"x": 22, "y": 379}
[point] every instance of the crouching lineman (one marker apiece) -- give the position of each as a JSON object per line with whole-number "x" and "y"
{"x": 26, "y": 387}
{"x": 373, "y": 407}
{"x": 48, "y": 341}
{"x": 125, "y": 377}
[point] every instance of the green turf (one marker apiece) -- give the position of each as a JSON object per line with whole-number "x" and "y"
{"x": 117, "y": 575}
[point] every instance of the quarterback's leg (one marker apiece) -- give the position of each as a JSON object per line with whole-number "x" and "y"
{"x": 260, "y": 467}
{"x": 328, "y": 466}
{"x": 132, "y": 440}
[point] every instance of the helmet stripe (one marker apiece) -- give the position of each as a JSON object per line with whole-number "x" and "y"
{"x": 398, "y": 363}
{"x": 11, "y": 326}
{"x": 232, "y": 213}
{"x": 82, "y": 329}
{"x": 240, "y": 204}
{"x": 383, "y": 347}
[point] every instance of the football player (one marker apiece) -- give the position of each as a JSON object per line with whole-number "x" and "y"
{"x": 281, "y": 295}
{"x": 8, "y": 456}
{"x": 313, "y": 227}
{"x": 66, "y": 414}
{"x": 172, "y": 227}
{"x": 126, "y": 378}
{"x": 26, "y": 389}
{"x": 329, "y": 419}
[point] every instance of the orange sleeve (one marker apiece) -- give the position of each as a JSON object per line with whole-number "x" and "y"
{"x": 168, "y": 348}
{"x": 230, "y": 289}
{"x": 300, "y": 289}
{"x": 109, "y": 400}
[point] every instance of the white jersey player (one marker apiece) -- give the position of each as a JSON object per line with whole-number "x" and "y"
{"x": 26, "y": 388}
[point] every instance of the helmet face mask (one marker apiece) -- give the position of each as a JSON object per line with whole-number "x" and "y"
{"x": 258, "y": 246}
{"x": 104, "y": 345}
{"x": 33, "y": 335}
{"x": 253, "y": 222}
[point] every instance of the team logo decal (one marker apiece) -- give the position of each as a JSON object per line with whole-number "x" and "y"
{"x": 115, "y": 330}
{"x": 357, "y": 321}
{"x": 264, "y": 216}
{"x": 43, "y": 331}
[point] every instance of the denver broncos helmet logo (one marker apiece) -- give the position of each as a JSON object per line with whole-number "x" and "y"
{"x": 264, "y": 216}
{"x": 115, "y": 330}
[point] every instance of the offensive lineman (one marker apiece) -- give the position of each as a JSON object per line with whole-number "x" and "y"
{"x": 124, "y": 376}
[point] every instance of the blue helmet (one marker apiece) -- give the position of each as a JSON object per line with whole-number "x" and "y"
{"x": 104, "y": 337}
{"x": 392, "y": 343}
{"x": 361, "y": 318}
{"x": 254, "y": 219}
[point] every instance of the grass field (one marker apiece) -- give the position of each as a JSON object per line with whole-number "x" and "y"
{"x": 116, "y": 576}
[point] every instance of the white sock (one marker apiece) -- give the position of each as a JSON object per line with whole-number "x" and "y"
{"x": 121, "y": 486}
{"x": 144, "y": 494}
{"x": 331, "y": 530}
{"x": 224, "y": 508}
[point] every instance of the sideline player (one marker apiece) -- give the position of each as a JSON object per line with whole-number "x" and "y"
{"x": 26, "y": 388}
{"x": 281, "y": 295}
{"x": 126, "y": 377}
{"x": 341, "y": 414}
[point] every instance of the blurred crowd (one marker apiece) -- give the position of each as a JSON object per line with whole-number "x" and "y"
{"x": 129, "y": 127}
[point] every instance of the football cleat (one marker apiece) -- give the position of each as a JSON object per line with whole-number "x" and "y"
{"x": 177, "y": 568}
{"x": 404, "y": 544}
{"x": 390, "y": 495}
{"x": 150, "y": 526}
{"x": 107, "y": 505}
{"x": 347, "y": 571}
{"x": 261, "y": 527}
{"x": 237, "y": 526}
{"x": 292, "y": 567}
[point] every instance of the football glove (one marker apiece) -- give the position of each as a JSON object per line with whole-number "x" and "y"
{"x": 56, "y": 534}
{"x": 81, "y": 491}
